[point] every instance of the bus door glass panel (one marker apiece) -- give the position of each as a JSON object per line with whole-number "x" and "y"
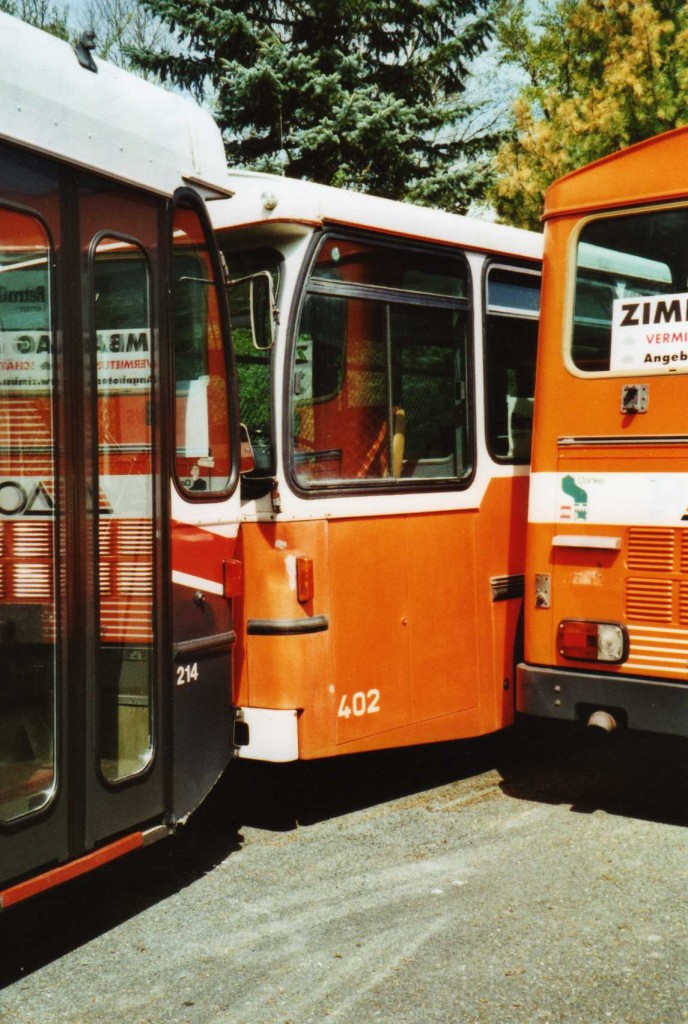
{"x": 28, "y": 606}
{"x": 202, "y": 624}
{"x": 511, "y": 328}
{"x": 622, "y": 258}
{"x": 203, "y": 451}
{"x": 379, "y": 381}
{"x": 126, "y": 513}
{"x": 252, "y": 364}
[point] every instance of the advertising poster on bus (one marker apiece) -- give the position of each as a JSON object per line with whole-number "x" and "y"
{"x": 650, "y": 334}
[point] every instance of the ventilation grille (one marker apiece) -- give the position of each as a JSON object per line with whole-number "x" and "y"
{"x": 649, "y": 600}
{"x": 135, "y": 537}
{"x": 652, "y": 550}
{"x": 33, "y": 582}
{"x": 26, "y": 439}
{"x": 659, "y": 651}
{"x": 135, "y": 578}
{"x": 683, "y": 603}
{"x": 126, "y": 621}
{"x": 32, "y": 540}
{"x": 105, "y": 543}
{"x": 26, "y": 570}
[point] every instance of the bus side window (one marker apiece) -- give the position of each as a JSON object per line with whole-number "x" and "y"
{"x": 511, "y": 327}
{"x": 202, "y": 419}
{"x": 28, "y": 546}
{"x": 253, "y": 365}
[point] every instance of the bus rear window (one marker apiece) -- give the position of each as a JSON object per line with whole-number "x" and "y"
{"x": 631, "y": 294}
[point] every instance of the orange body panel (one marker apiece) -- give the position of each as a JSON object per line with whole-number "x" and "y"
{"x": 625, "y": 562}
{"x": 651, "y": 171}
{"x": 415, "y": 649}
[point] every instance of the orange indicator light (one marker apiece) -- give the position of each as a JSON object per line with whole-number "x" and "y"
{"x": 304, "y": 579}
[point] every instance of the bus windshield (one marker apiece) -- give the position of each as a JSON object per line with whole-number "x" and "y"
{"x": 379, "y": 375}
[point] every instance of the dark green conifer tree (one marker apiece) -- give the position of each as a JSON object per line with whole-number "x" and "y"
{"x": 367, "y": 94}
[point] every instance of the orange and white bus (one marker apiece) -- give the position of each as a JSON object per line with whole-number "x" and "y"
{"x": 119, "y": 463}
{"x": 382, "y": 528}
{"x": 606, "y": 607}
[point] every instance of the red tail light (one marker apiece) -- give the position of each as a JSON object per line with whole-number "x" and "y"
{"x": 592, "y": 641}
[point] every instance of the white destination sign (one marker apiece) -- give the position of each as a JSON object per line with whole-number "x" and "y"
{"x": 650, "y": 334}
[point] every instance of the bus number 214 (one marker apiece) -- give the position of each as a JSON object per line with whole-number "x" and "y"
{"x": 361, "y": 704}
{"x": 187, "y": 674}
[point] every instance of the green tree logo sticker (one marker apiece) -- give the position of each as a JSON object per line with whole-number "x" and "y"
{"x": 577, "y": 508}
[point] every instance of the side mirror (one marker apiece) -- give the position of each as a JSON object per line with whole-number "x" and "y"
{"x": 262, "y": 304}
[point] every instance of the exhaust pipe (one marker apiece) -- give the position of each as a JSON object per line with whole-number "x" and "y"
{"x": 602, "y": 720}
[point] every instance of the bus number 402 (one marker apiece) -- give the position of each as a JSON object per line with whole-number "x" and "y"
{"x": 361, "y": 704}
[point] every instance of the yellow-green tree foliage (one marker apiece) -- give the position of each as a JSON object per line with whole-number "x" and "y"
{"x": 600, "y": 75}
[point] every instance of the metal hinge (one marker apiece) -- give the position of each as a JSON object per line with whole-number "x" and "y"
{"x": 543, "y": 597}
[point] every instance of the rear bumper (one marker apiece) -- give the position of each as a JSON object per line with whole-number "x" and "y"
{"x": 263, "y": 734}
{"x": 648, "y": 705}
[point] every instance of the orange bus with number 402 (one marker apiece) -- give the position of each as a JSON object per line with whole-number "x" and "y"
{"x": 382, "y": 523}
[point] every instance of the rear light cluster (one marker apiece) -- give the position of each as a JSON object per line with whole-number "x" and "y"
{"x": 592, "y": 641}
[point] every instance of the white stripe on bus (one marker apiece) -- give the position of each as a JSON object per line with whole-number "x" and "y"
{"x": 184, "y": 579}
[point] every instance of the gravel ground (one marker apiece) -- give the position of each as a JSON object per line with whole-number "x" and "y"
{"x": 499, "y": 881}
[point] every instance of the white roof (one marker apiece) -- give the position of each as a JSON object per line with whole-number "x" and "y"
{"x": 264, "y": 198}
{"x": 112, "y": 121}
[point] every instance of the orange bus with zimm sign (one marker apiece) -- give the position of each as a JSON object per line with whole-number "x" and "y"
{"x": 606, "y": 608}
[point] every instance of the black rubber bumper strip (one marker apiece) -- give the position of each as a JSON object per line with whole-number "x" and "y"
{"x": 288, "y": 627}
